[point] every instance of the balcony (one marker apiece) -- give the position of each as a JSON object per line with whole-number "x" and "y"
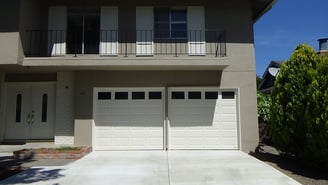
{"x": 121, "y": 43}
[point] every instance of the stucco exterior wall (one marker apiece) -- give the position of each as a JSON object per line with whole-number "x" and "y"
{"x": 2, "y": 105}
{"x": 64, "y": 129}
{"x": 9, "y": 31}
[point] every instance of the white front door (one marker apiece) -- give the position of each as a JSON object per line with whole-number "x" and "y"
{"x": 30, "y": 111}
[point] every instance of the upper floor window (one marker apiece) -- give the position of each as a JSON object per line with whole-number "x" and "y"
{"x": 83, "y": 28}
{"x": 170, "y": 23}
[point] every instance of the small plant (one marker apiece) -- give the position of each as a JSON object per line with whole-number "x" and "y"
{"x": 263, "y": 106}
{"x": 263, "y": 110}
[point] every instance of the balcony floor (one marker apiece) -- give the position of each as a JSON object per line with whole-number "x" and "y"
{"x": 129, "y": 63}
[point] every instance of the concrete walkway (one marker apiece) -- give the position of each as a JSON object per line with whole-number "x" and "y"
{"x": 157, "y": 168}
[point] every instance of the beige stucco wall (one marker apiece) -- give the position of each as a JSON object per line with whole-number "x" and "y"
{"x": 2, "y": 106}
{"x": 83, "y": 132}
{"x": 9, "y": 31}
{"x": 64, "y": 127}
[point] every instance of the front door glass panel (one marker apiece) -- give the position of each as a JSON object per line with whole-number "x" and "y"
{"x": 18, "y": 108}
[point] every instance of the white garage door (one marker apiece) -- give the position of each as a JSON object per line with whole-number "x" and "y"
{"x": 128, "y": 118}
{"x": 202, "y": 118}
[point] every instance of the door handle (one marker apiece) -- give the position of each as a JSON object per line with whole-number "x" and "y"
{"x": 32, "y": 117}
{"x": 28, "y": 120}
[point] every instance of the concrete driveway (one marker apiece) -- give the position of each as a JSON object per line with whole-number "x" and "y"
{"x": 157, "y": 168}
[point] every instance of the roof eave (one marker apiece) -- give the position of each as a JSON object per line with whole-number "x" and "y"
{"x": 264, "y": 10}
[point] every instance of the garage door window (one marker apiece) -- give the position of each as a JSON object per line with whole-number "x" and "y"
{"x": 138, "y": 95}
{"x": 211, "y": 95}
{"x": 228, "y": 95}
{"x": 178, "y": 95}
{"x": 194, "y": 95}
{"x": 155, "y": 95}
{"x": 121, "y": 95}
{"x": 104, "y": 95}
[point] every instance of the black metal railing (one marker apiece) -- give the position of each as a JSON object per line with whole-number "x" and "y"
{"x": 45, "y": 43}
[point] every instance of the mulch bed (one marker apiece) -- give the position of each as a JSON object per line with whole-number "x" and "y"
{"x": 298, "y": 170}
{"x": 53, "y": 153}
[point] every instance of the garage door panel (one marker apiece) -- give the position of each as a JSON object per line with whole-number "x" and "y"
{"x": 229, "y": 126}
{"x": 206, "y": 118}
{"x": 128, "y": 123}
{"x": 202, "y": 123}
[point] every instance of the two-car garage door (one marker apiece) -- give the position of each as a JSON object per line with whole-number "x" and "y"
{"x": 134, "y": 118}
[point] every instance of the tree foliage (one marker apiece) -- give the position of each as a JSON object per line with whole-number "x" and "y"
{"x": 299, "y": 112}
{"x": 263, "y": 106}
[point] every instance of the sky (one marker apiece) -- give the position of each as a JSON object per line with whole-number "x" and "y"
{"x": 287, "y": 24}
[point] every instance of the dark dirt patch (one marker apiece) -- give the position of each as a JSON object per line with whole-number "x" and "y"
{"x": 298, "y": 170}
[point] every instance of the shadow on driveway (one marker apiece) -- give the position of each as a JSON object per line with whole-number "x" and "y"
{"x": 33, "y": 175}
{"x": 264, "y": 153}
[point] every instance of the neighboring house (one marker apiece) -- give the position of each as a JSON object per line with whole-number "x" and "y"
{"x": 269, "y": 76}
{"x": 129, "y": 74}
{"x": 272, "y": 70}
{"x": 323, "y": 47}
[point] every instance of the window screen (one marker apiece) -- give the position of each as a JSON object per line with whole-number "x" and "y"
{"x": 155, "y": 95}
{"x": 178, "y": 95}
{"x": 138, "y": 95}
{"x": 104, "y": 95}
{"x": 121, "y": 95}
{"x": 228, "y": 95}
{"x": 193, "y": 95}
{"x": 211, "y": 95}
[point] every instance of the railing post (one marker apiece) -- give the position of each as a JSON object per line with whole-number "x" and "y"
{"x": 126, "y": 44}
{"x": 176, "y": 47}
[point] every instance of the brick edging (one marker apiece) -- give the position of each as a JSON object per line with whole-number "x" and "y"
{"x": 51, "y": 153}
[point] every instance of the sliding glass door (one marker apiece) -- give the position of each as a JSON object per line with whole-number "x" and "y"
{"x": 83, "y": 29}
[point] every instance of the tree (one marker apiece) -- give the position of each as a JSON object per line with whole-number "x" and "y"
{"x": 299, "y": 110}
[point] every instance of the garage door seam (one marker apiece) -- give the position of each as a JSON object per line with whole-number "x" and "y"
{"x": 168, "y": 167}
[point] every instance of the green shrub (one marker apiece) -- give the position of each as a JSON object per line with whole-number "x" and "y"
{"x": 263, "y": 111}
{"x": 299, "y": 112}
{"x": 263, "y": 106}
